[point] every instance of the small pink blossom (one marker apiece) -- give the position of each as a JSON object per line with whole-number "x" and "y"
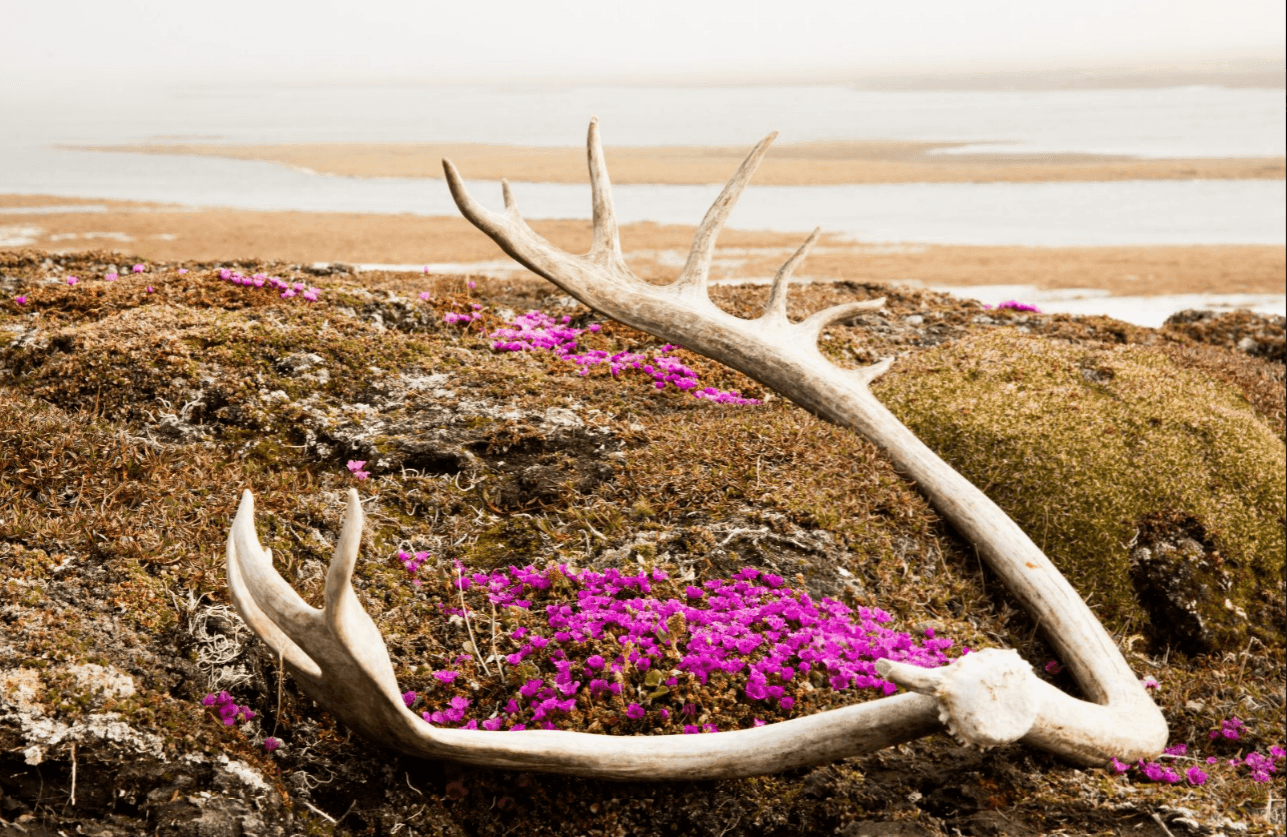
{"x": 111, "y": 277}
{"x": 1150, "y": 682}
{"x": 20, "y": 299}
{"x": 182, "y": 270}
{"x": 71, "y": 280}
{"x": 138, "y": 268}
{"x": 425, "y": 296}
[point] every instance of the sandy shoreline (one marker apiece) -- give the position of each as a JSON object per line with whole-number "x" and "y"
{"x": 654, "y": 251}
{"x": 801, "y": 164}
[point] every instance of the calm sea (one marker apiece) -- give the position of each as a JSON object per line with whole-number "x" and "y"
{"x": 1186, "y": 121}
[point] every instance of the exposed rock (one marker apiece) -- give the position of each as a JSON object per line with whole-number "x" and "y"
{"x": 1259, "y": 335}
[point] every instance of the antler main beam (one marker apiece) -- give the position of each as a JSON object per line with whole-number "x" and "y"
{"x": 1119, "y": 720}
{"x": 986, "y": 698}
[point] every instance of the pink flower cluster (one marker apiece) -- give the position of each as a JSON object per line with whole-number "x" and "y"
{"x": 1260, "y": 765}
{"x": 411, "y": 563}
{"x": 1229, "y": 729}
{"x": 1155, "y": 772}
{"x": 466, "y": 317}
{"x": 749, "y": 626}
{"x": 355, "y": 467}
{"x": 1014, "y": 305}
{"x": 229, "y": 711}
{"x": 262, "y": 280}
{"x": 536, "y": 330}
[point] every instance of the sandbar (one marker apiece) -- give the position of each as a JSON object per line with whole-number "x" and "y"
{"x": 799, "y": 164}
{"x": 655, "y": 251}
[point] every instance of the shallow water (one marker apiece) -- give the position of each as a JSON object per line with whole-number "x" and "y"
{"x": 1150, "y": 311}
{"x": 1040, "y": 214}
{"x": 1185, "y": 121}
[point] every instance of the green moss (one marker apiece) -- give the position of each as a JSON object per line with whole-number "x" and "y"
{"x": 1083, "y": 446}
{"x": 511, "y": 540}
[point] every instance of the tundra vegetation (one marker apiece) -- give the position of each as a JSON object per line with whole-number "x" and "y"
{"x": 1146, "y": 463}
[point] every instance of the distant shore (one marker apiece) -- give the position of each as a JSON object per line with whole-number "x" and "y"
{"x": 800, "y": 164}
{"x": 654, "y": 251}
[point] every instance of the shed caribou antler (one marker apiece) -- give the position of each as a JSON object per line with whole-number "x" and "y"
{"x": 985, "y": 698}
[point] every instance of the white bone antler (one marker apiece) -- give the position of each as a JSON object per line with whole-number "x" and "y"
{"x": 1119, "y": 720}
{"x": 341, "y": 661}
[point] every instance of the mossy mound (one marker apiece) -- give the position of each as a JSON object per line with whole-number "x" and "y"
{"x": 1157, "y": 490}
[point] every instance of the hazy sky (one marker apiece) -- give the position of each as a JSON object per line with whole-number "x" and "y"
{"x": 664, "y": 40}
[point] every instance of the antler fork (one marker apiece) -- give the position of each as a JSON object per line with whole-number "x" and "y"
{"x": 985, "y": 698}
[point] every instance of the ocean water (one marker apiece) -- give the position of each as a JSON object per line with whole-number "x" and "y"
{"x": 1187, "y": 121}
{"x": 1165, "y": 122}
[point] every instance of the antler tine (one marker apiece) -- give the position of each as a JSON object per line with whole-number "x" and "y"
{"x": 607, "y": 239}
{"x": 340, "y": 599}
{"x": 811, "y": 327}
{"x": 511, "y": 205}
{"x": 697, "y": 268}
{"x": 510, "y": 231}
{"x": 265, "y": 601}
{"x": 351, "y": 625}
{"x": 775, "y": 309}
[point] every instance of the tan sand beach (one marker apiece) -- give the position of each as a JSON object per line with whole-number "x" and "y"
{"x": 801, "y": 164}
{"x": 655, "y": 251}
